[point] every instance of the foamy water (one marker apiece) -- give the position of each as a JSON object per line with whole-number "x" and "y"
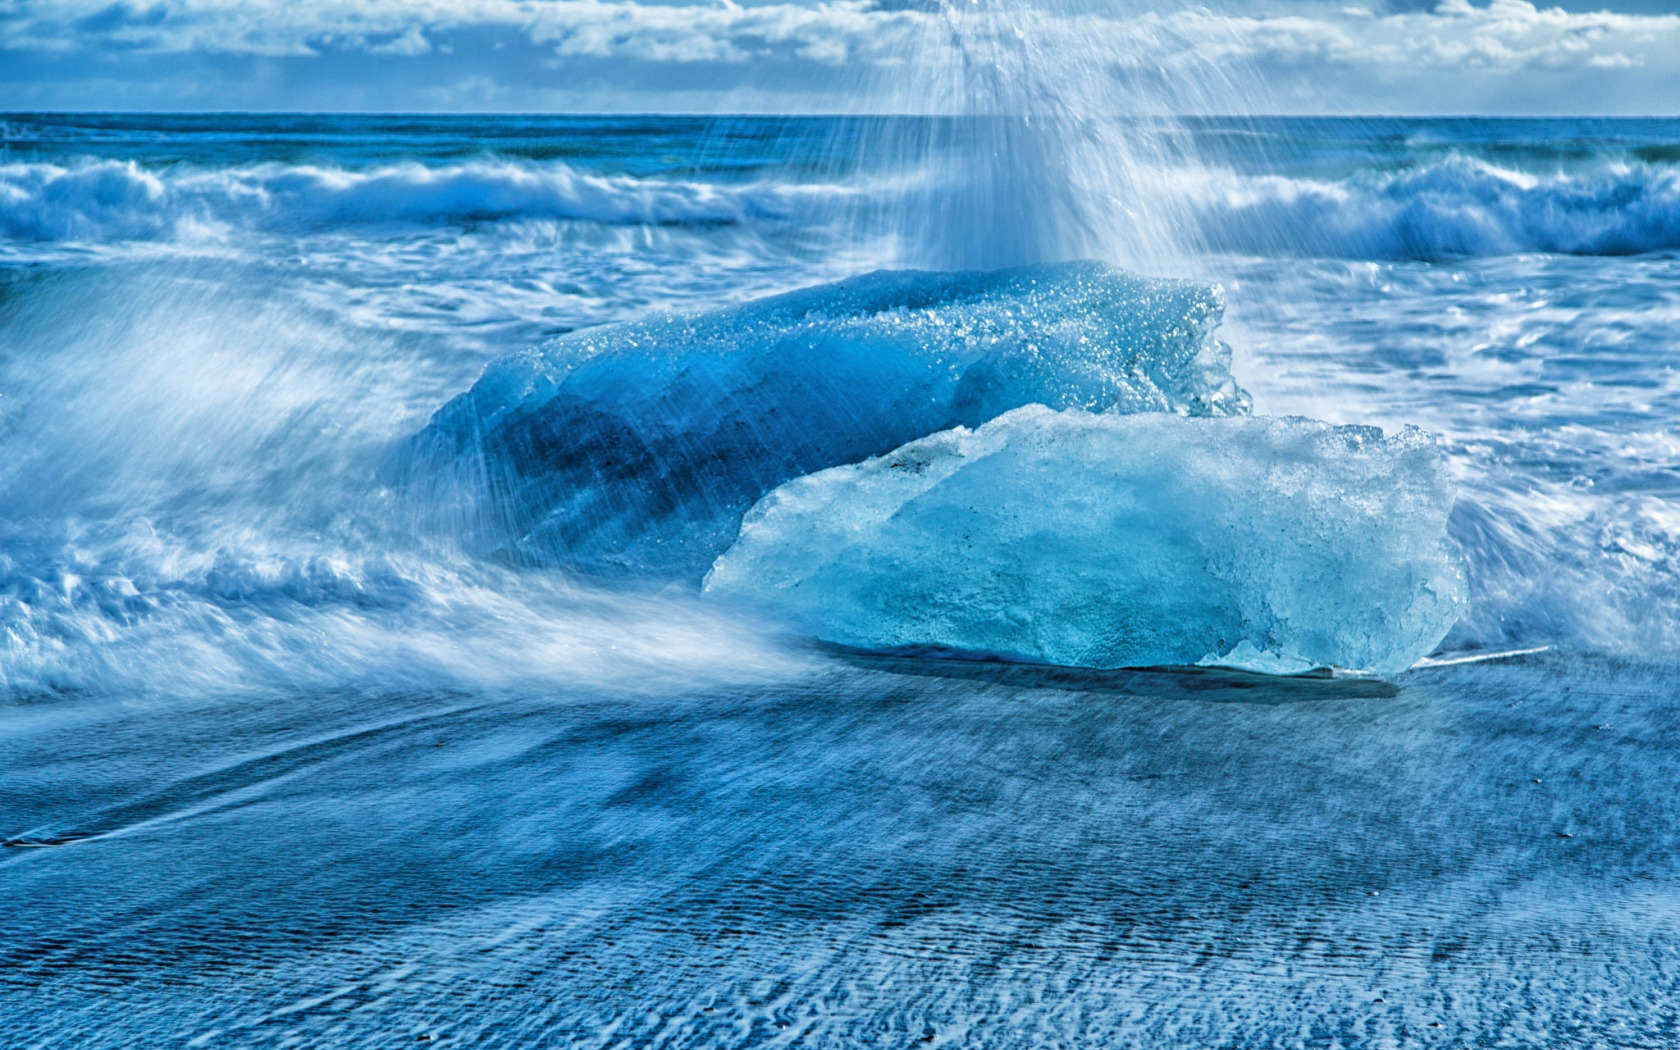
{"x": 304, "y": 762}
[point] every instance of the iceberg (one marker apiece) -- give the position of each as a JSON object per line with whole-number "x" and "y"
{"x": 636, "y": 448}
{"x": 1104, "y": 540}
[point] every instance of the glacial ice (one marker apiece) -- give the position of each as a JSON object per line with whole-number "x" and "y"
{"x": 1094, "y": 540}
{"x": 636, "y": 448}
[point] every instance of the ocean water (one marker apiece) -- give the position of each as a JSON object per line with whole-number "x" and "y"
{"x": 290, "y": 755}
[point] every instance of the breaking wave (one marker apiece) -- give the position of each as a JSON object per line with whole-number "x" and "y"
{"x": 122, "y": 200}
{"x": 1458, "y": 206}
{"x": 188, "y": 506}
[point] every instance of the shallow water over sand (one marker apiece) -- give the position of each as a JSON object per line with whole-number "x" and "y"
{"x": 881, "y": 852}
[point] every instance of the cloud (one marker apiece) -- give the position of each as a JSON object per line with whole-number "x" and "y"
{"x": 831, "y": 33}
{"x": 825, "y": 32}
{"x": 1506, "y": 56}
{"x": 1506, "y": 35}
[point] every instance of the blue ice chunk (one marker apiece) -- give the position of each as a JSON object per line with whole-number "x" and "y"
{"x": 637, "y": 447}
{"x": 1071, "y": 538}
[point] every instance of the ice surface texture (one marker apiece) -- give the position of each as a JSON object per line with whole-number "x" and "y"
{"x": 1110, "y": 541}
{"x": 636, "y": 448}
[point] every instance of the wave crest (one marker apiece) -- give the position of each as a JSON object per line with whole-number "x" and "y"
{"x": 116, "y": 200}
{"x": 1459, "y": 206}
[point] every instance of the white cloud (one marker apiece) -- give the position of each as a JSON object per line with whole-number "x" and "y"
{"x": 1508, "y": 34}
{"x": 830, "y": 33}
{"x": 1507, "y": 56}
{"x": 410, "y": 42}
{"x": 827, "y": 32}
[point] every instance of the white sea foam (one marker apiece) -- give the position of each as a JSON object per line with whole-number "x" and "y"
{"x": 189, "y": 505}
{"x": 190, "y": 451}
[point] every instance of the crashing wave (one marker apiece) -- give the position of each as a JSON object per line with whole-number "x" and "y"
{"x": 1274, "y": 545}
{"x": 636, "y": 448}
{"x": 112, "y": 200}
{"x": 1459, "y": 206}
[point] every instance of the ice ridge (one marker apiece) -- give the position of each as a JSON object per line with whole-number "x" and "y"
{"x": 1073, "y": 538}
{"x": 636, "y": 448}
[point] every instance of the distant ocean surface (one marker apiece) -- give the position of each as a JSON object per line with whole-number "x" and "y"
{"x": 286, "y": 762}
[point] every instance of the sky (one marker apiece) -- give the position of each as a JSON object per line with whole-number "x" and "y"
{"x": 1293, "y": 56}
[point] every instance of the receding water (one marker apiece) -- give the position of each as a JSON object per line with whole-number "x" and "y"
{"x": 865, "y": 855}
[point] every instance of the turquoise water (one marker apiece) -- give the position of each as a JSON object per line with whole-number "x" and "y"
{"x": 287, "y": 758}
